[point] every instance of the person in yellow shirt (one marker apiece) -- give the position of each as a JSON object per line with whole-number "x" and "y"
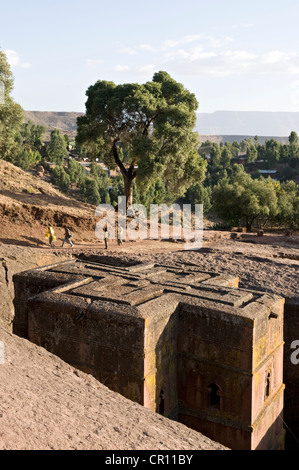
{"x": 51, "y": 235}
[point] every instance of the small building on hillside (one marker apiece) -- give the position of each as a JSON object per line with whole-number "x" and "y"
{"x": 267, "y": 173}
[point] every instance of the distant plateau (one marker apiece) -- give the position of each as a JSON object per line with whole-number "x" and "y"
{"x": 219, "y": 126}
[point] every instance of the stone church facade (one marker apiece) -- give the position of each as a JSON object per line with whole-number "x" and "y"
{"x": 188, "y": 344}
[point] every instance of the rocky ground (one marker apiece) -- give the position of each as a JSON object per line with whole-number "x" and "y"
{"x": 45, "y": 404}
{"x": 269, "y": 263}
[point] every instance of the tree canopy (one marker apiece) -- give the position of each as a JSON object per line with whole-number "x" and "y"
{"x": 11, "y": 113}
{"x": 242, "y": 197}
{"x": 57, "y": 149}
{"x": 146, "y": 130}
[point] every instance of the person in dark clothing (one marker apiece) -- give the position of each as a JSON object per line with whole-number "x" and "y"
{"x": 106, "y": 234}
{"x": 67, "y": 237}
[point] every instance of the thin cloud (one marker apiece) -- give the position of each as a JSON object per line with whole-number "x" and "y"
{"x": 146, "y": 69}
{"x": 121, "y": 68}
{"x": 195, "y": 53}
{"x": 243, "y": 25}
{"x": 209, "y": 40}
{"x": 14, "y": 59}
{"x": 202, "y": 60}
{"x": 93, "y": 62}
{"x": 127, "y": 50}
{"x": 208, "y": 55}
{"x": 170, "y": 43}
{"x": 147, "y": 47}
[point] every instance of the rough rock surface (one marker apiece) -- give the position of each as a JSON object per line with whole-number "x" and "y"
{"x": 14, "y": 259}
{"x": 46, "y": 404}
{"x": 261, "y": 267}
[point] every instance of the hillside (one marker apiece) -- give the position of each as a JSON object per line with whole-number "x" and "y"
{"x": 30, "y": 203}
{"x": 218, "y": 139}
{"x": 247, "y": 123}
{"x": 224, "y": 126}
{"x": 65, "y": 122}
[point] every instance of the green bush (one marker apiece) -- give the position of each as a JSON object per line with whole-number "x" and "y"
{"x": 61, "y": 178}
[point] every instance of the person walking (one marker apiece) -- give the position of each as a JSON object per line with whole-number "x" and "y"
{"x": 67, "y": 237}
{"x": 120, "y": 235}
{"x": 51, "y": 235}
{"x": 106, "y": 234}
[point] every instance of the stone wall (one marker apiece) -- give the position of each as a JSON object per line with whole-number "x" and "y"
{"x": 15, "y": 259}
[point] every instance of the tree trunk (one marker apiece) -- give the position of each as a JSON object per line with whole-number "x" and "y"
{"x": 128, "y": 183}
{"x": 249, "y": 224}
{"x": 128, "y": 175}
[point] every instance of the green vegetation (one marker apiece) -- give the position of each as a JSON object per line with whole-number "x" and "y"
{"x": 30, "y": 138}
{"x": 11, "y": 114}
{"x": 21, "y": 143}
{"x": 61, "y": 178}
{"x": 228, "y": 190}
{"x": 147, "y": 133}
{"x": 90, "y": 190}
{"x": 27, "y": 158}
{"x": 241, "y": 196}
{"x": 75, "y": 172}
{"x": 199, "y": 194}
{"x": 57, "y": 148}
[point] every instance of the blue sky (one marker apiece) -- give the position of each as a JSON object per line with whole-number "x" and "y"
{"x": 234, "y": 55}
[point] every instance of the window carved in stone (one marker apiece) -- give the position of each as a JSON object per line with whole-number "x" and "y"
{"x": 161, "y": 403}
{"x": 214, "y": 396}
{"x": 267, "y": 385}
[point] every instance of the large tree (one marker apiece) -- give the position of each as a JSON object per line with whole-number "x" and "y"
{"x": 11, "y": 113}
{"x": 33, "y": 135}
{"x": 272, "y": 152}
{"x": 56, "y": 150}
{"x": 146, "y": 130}
{"x": 293, "y": 138}
{"x": 288, "y": 203}
{"x": 241, "y": 197}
